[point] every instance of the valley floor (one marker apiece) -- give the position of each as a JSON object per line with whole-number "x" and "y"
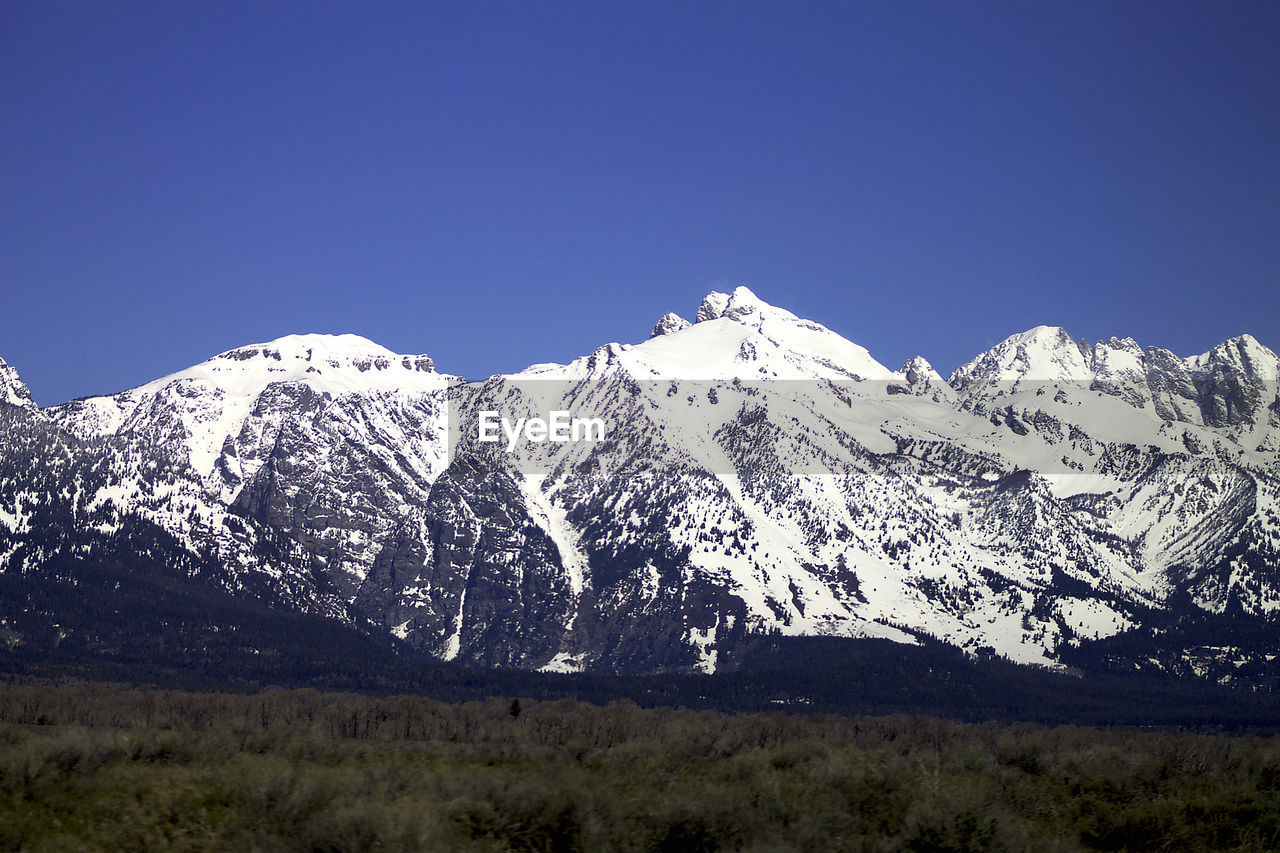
{"x": 94, "y": 767}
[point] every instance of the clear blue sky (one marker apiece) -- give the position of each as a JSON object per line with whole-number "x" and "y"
{"x": 496, "y": 184}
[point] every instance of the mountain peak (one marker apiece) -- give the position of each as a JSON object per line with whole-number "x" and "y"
{"x": 743, "y": 296}
{"x": 12, "y": 389}
{"x": 1045, "y": 335}
{"x": 307, "y": 347}
{"x": 713, "y": 305}
{"x": 335, "y": 363}
{"x": 1041, "y": 352}
{"x": 919, "y": 366}
{"x": 1126, "y": 344}
{"x": 739, "y": 335}
{"x": 669, "y": 324}
{"x": 922, "y": 380}
{"x": 332, "y": 350}
{"x": 740, "y": 304}
{"x": 1246, "y": 343}
{"x": 1244, "y": 352}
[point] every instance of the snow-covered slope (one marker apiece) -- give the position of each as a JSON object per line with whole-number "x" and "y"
{"x": 12, "y": 389}
{"x": 740, "y": 336}
{"x": 230, "y": 395}
{"x": 329, "y": 440}
{"x": 758, "y": 473}
{"x": 1182, "y": 454}
{"x": 1045, "y": 353}
{"x": 1230, "y": 391}
{"x": 801, "y": 486}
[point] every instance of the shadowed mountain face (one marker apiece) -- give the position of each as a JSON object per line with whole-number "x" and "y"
{"x": 668, "y": 505}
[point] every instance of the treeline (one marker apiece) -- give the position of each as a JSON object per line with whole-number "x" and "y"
{"x": 99, "y": 767}
{"x": 799, "y": 674}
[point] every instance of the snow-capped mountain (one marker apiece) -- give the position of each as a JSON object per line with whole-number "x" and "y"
{"x": 243, "y": 396}
{"x": 330, "y": 440}
{"x": 754, "y": 473}
{"x": 1229, "y": 390}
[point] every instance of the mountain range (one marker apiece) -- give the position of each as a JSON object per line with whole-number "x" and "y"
{"x": 1052, "y": 501}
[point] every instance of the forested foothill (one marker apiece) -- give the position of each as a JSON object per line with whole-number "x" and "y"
{"x": 797, "y": 674}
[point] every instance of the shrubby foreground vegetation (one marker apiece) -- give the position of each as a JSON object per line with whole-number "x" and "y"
{"x": 99, "y": 767}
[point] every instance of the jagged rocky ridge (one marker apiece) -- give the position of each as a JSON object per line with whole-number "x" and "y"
{"x": 760, "y": 474}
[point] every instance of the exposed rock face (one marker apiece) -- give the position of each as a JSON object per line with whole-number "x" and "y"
{"x": 754, "y": 473}
{"x": 12, "y": 389}
{"x": 712, "y": 306}
{"x": 669, "y": 324}
{"x": 923, "y": 380}
{"x": 1232, "y": 387}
